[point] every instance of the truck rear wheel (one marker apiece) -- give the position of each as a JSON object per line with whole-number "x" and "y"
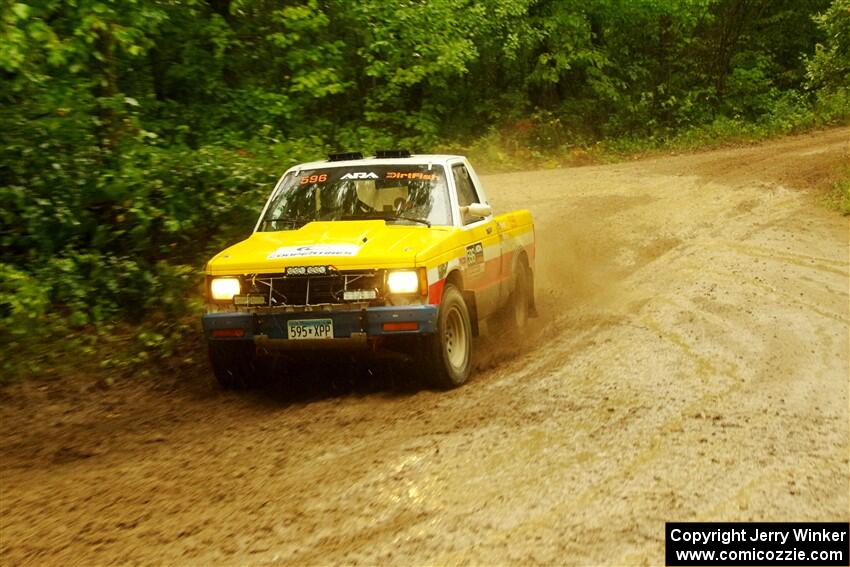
{"x": 513, "y": 318}
{"x": 448, "y": 353}
{"x": 234, "y": 364}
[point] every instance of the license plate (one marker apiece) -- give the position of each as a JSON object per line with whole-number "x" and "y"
{"x": 307, "y": 329}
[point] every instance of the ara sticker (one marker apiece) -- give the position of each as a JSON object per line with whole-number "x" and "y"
{"x": 314, "y": 250}
{"x": 359, "y": 175}
{"x": 442, "y": 269}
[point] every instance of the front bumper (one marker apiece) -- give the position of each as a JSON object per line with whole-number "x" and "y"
{"x": 350, "y": 327}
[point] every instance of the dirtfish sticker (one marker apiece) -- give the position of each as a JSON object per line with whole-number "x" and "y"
{"x": 315, "y": 250}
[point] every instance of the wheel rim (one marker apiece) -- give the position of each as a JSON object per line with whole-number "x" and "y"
{"x": 455, "y": 339}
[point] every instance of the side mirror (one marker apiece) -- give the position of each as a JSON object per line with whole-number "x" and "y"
{"x": 477, "y": 210}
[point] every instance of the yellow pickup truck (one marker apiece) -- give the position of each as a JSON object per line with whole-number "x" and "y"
{"x": 396, "y": 251}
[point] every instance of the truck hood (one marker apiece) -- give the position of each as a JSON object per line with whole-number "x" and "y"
{"x": 344, "y": 244}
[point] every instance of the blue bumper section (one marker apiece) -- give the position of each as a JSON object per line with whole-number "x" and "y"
{"x": 273, "y": 325}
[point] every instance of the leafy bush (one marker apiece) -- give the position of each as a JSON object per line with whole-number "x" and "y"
{"x": 829, "y": 67}
{"x": 23, "y": 300}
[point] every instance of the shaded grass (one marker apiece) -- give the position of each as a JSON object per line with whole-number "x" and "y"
{"x": 839, "y": 196}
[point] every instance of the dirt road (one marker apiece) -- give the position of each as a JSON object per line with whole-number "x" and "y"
{"x": 691, "y": 363}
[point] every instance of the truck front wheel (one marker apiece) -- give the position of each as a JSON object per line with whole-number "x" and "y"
{"x": 448, "y": 353}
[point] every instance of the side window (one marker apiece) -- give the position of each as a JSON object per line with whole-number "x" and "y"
{"x": 466, "y": 194}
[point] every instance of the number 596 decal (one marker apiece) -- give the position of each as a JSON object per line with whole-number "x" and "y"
{"x": 320, "y": 178}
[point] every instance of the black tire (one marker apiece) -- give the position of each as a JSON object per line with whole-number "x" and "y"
{"x": 512, "y": 320}
{"x": 234, "y": 364}
{"x": 447, "y": 356}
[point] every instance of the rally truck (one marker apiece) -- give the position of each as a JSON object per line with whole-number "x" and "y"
{"x": 395, "y": 252}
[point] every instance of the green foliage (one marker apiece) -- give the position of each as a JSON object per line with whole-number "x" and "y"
{"x": 23, "y": 299}
{"x": 829, "y": 67}
{"x": 138, "y": 137}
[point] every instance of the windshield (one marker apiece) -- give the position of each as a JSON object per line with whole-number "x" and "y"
{"x": 406, "y": 193}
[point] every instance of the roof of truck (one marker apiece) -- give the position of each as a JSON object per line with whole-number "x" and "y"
{"x": 414, "y": 159}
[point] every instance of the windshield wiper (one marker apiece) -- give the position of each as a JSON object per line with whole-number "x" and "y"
{"x": 293, "y": 221}
{"x": 386, "y": 217}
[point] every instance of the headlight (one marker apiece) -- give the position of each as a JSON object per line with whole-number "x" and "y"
{"x": 223, "y": 289}
{"x": 406, "y": 281}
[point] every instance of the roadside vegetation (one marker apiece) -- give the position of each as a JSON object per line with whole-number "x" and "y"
{"x": 136, "y": 138}
{"x": 839, "y": 197}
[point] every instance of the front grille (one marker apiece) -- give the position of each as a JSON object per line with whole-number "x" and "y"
{"x": 314, "y": 290}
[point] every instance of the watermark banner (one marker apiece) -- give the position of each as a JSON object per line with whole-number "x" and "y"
{"x": 757, "y": 543}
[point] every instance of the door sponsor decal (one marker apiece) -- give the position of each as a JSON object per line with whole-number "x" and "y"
{"x": 314, "y": 250}
{"x": 475, "y": 258}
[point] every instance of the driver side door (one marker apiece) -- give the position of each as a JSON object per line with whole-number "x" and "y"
{"x": 482, "y": 261}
